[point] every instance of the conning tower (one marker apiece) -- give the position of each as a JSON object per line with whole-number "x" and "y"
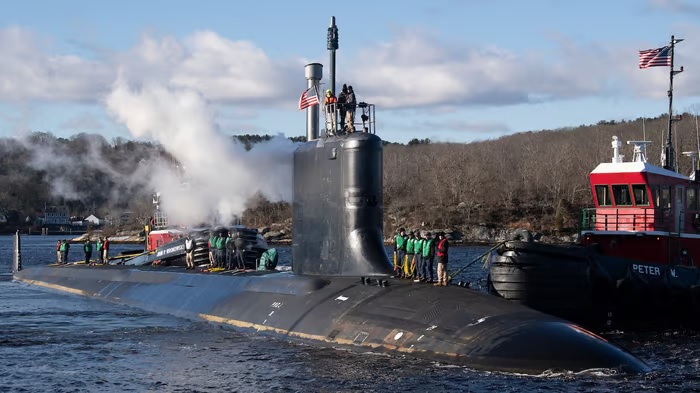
{"x": 337, "y": 227}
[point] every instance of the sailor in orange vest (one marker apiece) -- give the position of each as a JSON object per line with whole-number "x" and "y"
{"x": 331, "y": 104}
{"x": 442, "y": 248}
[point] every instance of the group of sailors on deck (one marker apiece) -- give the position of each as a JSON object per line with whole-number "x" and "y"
{"x": 414, "y": 255}
{"x": 226, "y": 251}
{"x": 102, "y": 245}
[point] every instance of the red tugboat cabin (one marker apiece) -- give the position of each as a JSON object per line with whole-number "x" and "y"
{"x": 643, "y": 211}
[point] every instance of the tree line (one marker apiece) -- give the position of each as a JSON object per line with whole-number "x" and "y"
{"x": 534, "y": 179}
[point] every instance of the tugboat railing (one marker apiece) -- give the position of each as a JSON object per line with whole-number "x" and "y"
{"x": 630, "y": 220}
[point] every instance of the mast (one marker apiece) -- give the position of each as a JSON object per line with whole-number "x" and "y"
{"x": 670, "y": 161}
{"x": 332, "y": 47}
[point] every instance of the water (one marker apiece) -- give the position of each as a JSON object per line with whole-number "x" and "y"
{"x": 57, "y": 342}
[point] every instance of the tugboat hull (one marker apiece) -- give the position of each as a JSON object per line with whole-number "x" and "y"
{"x": 600, "y": 292}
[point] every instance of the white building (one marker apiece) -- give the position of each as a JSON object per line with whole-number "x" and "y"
{"x": 93, "y": 220}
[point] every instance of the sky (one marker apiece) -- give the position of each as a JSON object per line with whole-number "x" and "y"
{"x": 448, "y": 70}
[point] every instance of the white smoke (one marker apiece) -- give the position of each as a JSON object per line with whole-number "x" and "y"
{"x": 218, "y": 175}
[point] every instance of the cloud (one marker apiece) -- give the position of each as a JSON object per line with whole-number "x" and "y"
{"x": 412, "y": 70}
{"x": 28, "y": 72}
{"x": 417, "y": 70}
{"x": 220, "y": 69}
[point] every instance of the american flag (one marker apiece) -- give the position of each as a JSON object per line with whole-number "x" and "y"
{"x": 306, "y": 100}
{"x": 655, "y": 57}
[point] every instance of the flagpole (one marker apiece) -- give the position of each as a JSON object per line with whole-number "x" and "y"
{"x": 671, "y": 163}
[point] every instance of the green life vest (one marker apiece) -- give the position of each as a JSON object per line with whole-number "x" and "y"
{"x": 212, "y": 242}
{"x": 409, "y": 245}
{"x": 63, "y": 247}
{"x": 418, "y": 246}
{"x": 99, "y": 246}
{"x": 88, "y": 247}
{"x": 427, "y": 245}
{"x": 268, "y": 260}
{"x": 400, "y": 242}
{"x": 220, "y": 242}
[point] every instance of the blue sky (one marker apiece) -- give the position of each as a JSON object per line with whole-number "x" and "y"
{"x": 447, "y": 70}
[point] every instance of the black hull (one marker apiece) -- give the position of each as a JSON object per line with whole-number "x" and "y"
{"x": 448, "y": 324}
{"x": 600, "y": 292}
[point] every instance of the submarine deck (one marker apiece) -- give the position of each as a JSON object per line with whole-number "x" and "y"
{"x": 447, "y": 324}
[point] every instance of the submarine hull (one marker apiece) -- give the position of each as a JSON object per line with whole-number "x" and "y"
{"x": 449, "y": 324}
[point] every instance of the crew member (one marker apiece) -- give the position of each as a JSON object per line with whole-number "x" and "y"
{"x": 442, "y": 248}
{"x": 230, "y": 252}
{"x": 189, "y": 251}
{"x": 99, "y": 246}
{"x": 58, "y": 252}
{"x": 212, "y": 245}
{"x": 87, "y": 247}
{"x": 105, "y": 251}
{"x": 64, "y": 251}
{"x": 399, "y": 250}
{"x": 342, "y": 97}
{"x": 240, "y": 250}
{"x": 417, "y": 265}
{"x": 330, "y": 102}
{"x": 410, "y": 254}
{"x": 220, "y": 249}
{"x": 428, "y": 258}
{"x": 350, "y": 107}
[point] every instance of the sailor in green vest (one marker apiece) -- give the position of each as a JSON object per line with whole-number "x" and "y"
{"x": 418, "y": 249}
{"x": 399, "y": 251}
{"x": 221, "y": 249}
{"x": 425, "y": 274}
{"x": 87, "y": 247}
{"x": 410, "y": 253}
{"x": 99, "y": 244}
{"x": 64, "y": 251}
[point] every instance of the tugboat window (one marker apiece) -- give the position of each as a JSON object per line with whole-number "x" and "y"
{"x": 602, "y": 193}
{"x": 691, "y": 199}
{"x": 641, "y": 196}
{"x": 621, "y": 192}
{"x": 662, "y": 197}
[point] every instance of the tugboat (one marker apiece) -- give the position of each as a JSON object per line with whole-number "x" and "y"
{"x": 165, "y": 243}
{"x": 635, "y": 265}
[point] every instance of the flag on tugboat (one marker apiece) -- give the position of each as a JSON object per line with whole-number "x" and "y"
{"x": 306, "y": 100}
{"x": 655, "y": 57}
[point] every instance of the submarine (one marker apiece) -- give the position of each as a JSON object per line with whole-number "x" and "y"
{"x": 341, "y": 291}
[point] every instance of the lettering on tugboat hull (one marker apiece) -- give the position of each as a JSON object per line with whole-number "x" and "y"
{"x": 645, "y": 269}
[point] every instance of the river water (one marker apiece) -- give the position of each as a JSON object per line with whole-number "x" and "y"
{"x": 56, "y": 342}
